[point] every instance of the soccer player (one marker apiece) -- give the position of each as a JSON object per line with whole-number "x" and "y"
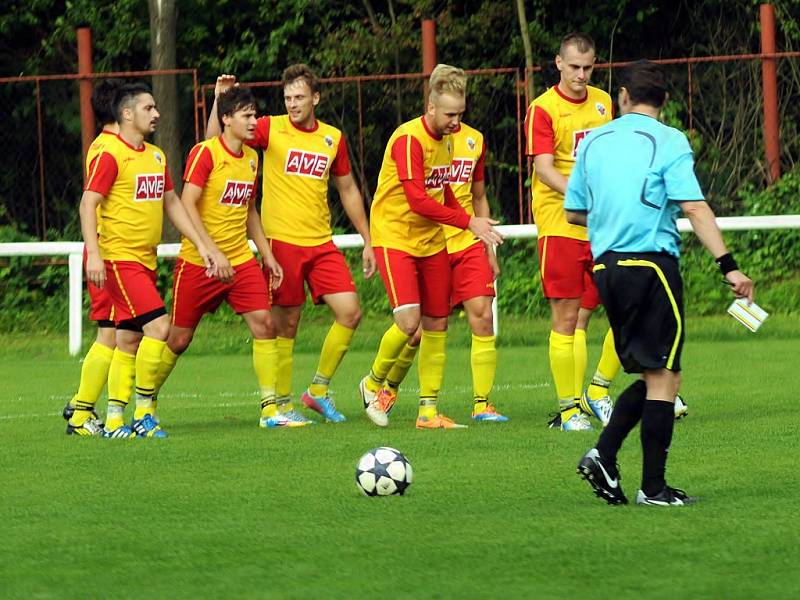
{"x": 219, "y": 197}
{"x": 631, "y": 179}
{"x": 301, "y": 154}
{"x": 556, "y": 123}
{"x": 80, "y": 411}
{"x": 473, "y": 270}
{"x": 411, "y": 202}
{"x": 130, "y": 183}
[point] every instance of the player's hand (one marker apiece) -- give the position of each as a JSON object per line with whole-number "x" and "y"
{"x": 275, "y": 271}
{"x": 368, "y": 260}
{"x": 95, "y": 270}
{"x": 224, "y": 83}
{"x": 225, "y": 271}
{"x": 483, "y": 230}
{"x": 741, "y": 285}
{"x": 492, "y": 256}
{"x": 208, "y": 261}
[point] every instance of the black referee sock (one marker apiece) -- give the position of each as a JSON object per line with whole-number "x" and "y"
{"x": 626, "y": 414}
{"x": 658, "y": 420}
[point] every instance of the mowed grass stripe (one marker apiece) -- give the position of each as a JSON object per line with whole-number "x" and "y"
{"x": 223, "y": 508}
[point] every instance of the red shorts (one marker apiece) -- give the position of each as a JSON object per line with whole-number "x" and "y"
{"x": 472, "y": 275}
{"x": 566, "y": 268}
{"x": 102, "y": 308}
{"x": 194, "y": 294}
{"x": 422, "y": 281}
{"x": 132, "y": 288}
{"x": 322, "y": 267}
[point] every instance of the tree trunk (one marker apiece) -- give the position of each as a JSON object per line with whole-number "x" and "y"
{"x": 526, "y": 43}
{"x": 163, "y": 19}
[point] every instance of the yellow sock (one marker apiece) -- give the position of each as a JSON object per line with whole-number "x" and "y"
{"x": 283, "y": 382}
{"x": 607, "y": 368}
{"x": 168, "y": 361}
{"x": 334, "y": 348}
{"x": 581, "y": 358}
{"x": 483, "y": 359}
{"x": 121, "y": 373}
{"x": 148, "y": 362}
{"x": 265, "y": 363}
{"x": 562, "y": 366}
{"x": 391, "y": 345}
{"x": 401, "y": 366}
{"x": 431, "y": 370}
{"x": 94, "y": 375}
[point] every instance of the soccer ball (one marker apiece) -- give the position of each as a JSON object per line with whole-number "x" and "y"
{"x": 383, "y": 472}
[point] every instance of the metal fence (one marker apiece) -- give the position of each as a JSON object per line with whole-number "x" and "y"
{"x": 716, "y": 99}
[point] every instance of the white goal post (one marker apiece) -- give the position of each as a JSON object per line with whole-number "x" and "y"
{"x": 74, "y": 252}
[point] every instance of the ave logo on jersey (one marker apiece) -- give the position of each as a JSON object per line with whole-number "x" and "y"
{"x": 149, "y": 187}
{"x": 461, "y": 170}
{"x": 437, "y": 178}
{"x": 577, "y": 138}
{"x": 237, "y": 193}
{"x": 306, "y": 164}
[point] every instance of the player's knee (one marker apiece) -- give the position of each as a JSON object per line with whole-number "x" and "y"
{"x": 263, "y": 329}
{"x": 350, "y": 318}
{"x": 107, "y": 336}
{"x": 178, "y": 342}
{"x": 482, "y": 324}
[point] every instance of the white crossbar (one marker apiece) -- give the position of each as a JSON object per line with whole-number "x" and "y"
{"x": 74, "y": 250}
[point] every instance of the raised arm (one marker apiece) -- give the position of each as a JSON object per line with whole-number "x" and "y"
{"x": 224, "y": 82}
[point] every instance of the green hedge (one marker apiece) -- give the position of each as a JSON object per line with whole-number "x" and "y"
{"x": 34, "y": 291}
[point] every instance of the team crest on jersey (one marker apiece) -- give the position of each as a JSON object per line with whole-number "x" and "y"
{"x": 237, "y": 193}
{"x": 471, "y": 143}
{"x": 600, "y": 108}
{"x": 252, "y": 165}
{"x": 577, "y": 138}
{"x": 158, "y": 157}
{"x": 461, "y": 170}
{"x": 149, "y": 187}
{"x": 306, "y": 164}
{"x": 328, "y": 141}
{"x": 437, "y": 178}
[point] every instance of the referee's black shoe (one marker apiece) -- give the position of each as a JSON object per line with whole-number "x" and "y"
{"x": 669, "y": 496}
{"x": 604, "y": 478}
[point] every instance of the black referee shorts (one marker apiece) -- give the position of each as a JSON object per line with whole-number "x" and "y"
{"x": 643, "y": 296}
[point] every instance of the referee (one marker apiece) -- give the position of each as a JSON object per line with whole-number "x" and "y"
{"x": 631, "y": 179}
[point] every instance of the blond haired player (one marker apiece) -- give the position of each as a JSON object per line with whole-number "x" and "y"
{"x": 301, "y": 155}
{"x": 412, "y": 201}
{"x": 130, "y": 183}
{"x": 474, "y": 268}
{"x": 556, "y": 123}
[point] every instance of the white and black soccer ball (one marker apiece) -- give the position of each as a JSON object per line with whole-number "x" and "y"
{"x": 383, "y": 472}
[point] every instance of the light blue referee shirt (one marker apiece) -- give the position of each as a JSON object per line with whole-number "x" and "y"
{"x": 628, "y": 177}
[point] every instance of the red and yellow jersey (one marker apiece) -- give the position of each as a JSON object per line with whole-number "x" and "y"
{"x": 297, "y": 165}
{"x": 556, "y": 124}
{"x": 228, "y": 182}
{"x": 412, "y": 152}
{"x": 469, "y": 155}
{"x": 132, "y": 182}
{"x": 96, "y": 148}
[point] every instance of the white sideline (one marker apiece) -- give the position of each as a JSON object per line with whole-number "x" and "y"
{"x": 74, "y": 250}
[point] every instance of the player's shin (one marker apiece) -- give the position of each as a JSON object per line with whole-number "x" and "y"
{"x": 283, "y": 382}
{"x": 391, "y": 345}
{"x": 265, "y": 364}
{"x": 401, "y": 367}
{"x": 607, "y": 369}
{"x": 121, "y": 374}
{"x": 94, "y": 375}
{"x": 483, "y": 359}
{"x": 148, "y": 362}
{"x": 562, "y": 366}
{"x": 431, "y": 370}
{"x": 335, "y": 346}
{"x": 581, "y": 359}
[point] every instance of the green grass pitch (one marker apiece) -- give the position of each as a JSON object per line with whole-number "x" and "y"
{"x": 223, "y": 509}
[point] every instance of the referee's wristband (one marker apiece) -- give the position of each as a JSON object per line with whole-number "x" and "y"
{"x": 726, "y": 263}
